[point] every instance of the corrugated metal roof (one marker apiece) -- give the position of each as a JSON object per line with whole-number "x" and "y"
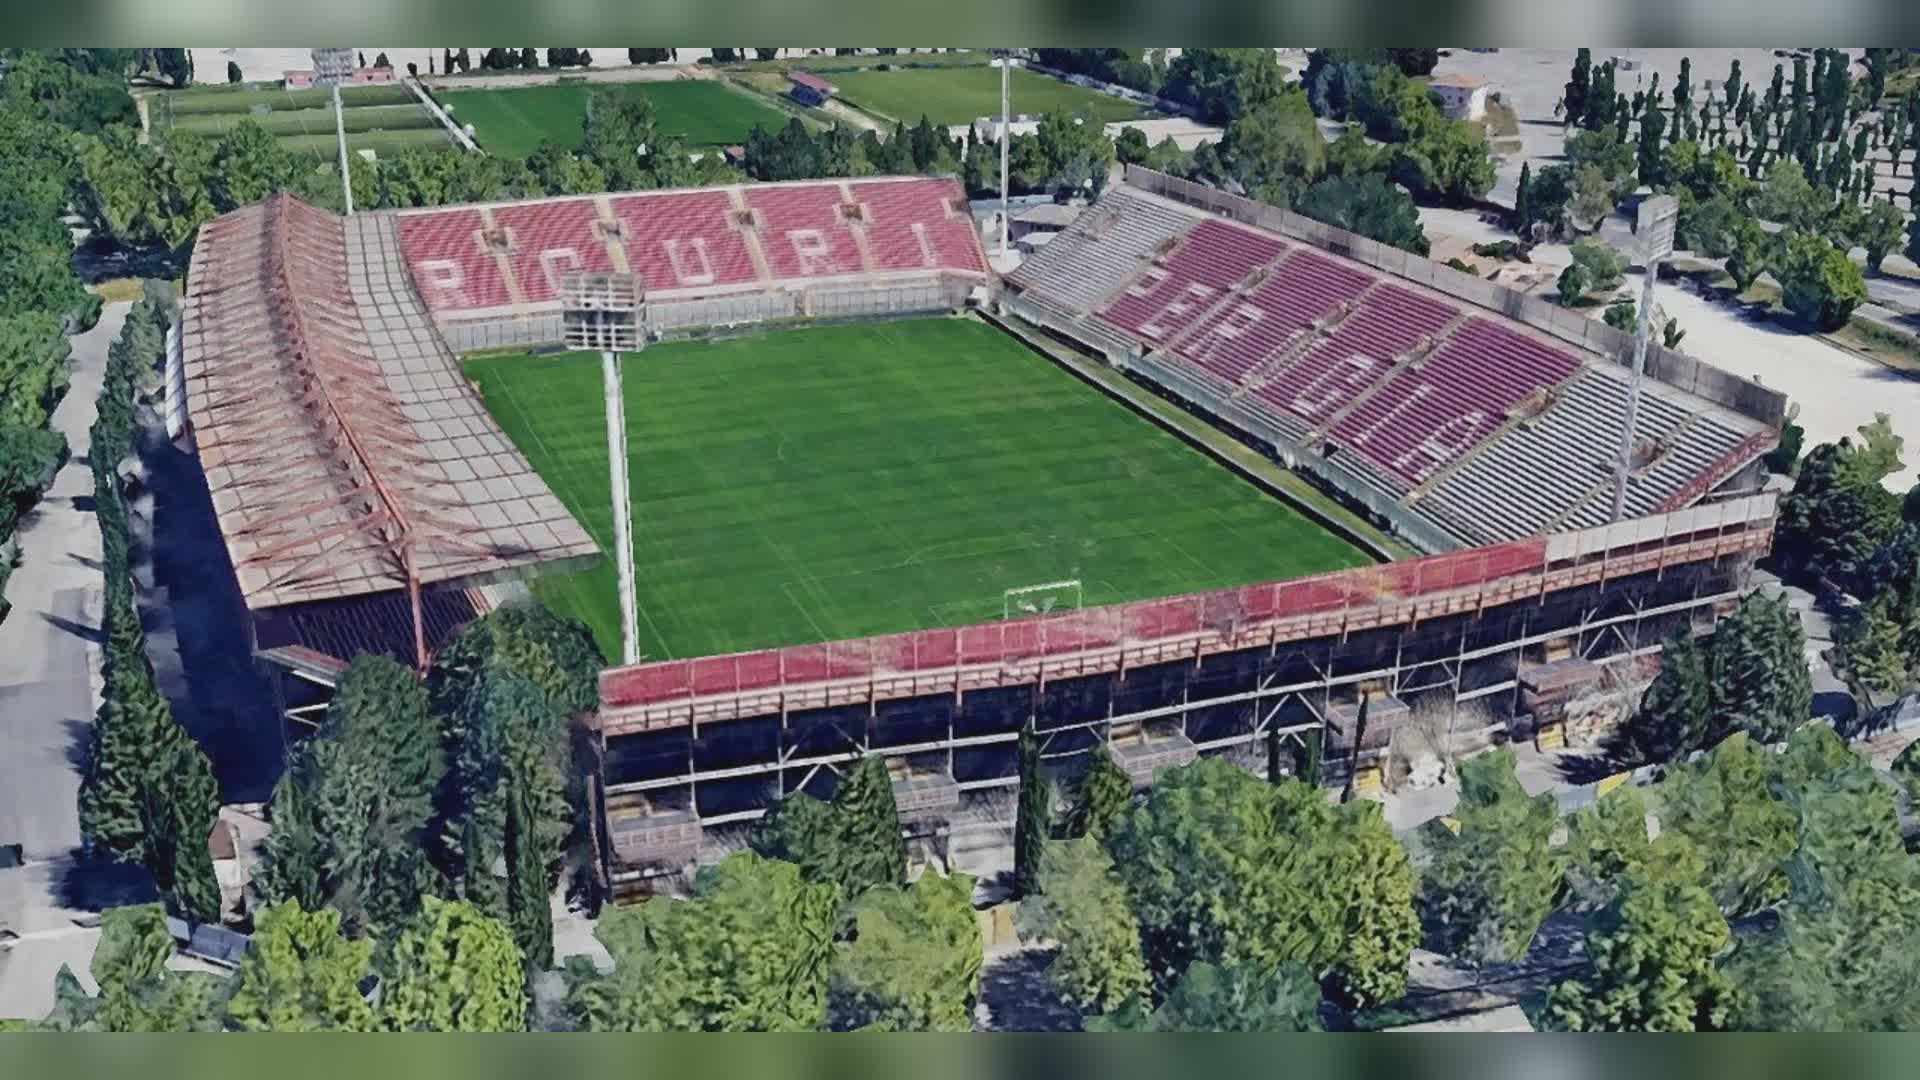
{"x": 343, "y": 448}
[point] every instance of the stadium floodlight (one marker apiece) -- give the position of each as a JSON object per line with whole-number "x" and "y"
{"x": 331, "y": 68}
{"x": 1041, "y": 599}
{"x": 1658, "y": 218}
{"x": 1006, "y": 139}
{"x": 606, "y": 313}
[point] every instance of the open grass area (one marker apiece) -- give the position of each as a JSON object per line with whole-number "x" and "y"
{"x": 513, "y": 121}
{"x": 961, "y": 95}
{"x": 839, "y": 481}
{"x": 384, "y": 119}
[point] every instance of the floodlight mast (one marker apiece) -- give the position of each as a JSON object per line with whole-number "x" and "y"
{"x": 1658, "y": 217}
{"x": 605, "y": 313}
{"x": 330, "y": 67}
{"x": 1006, "y": 138}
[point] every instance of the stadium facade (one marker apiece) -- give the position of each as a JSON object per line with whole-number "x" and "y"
{"x": 1475, "y": 422}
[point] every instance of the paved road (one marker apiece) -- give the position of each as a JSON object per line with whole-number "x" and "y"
{"x": 46, "y": 645}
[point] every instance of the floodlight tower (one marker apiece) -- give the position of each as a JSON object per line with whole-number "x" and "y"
{"x": 1658, "y": 216}
{"x": 1006, "y": 137}
{"x": 606, "y": 313}
{"x": 330, "y": 68}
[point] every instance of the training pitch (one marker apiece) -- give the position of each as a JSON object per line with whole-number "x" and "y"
{"x": 842, "y": 481}
{"x": 513, "y": 122}
{"x": 960, "y": 95}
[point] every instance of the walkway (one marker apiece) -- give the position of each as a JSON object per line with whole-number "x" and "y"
{"x": 47, "y": 645}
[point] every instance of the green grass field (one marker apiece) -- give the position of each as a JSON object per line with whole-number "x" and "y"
{"x": 313, "y": 121}
{"x": 840, "y": 481}
{"x": 228, "y": 99}
{"x": 513, "y": 122}
{"x": 961, "y": 95}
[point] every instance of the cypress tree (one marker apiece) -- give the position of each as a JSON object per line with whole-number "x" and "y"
{"x": 1273, "y": 755}
{"x": 1761, "y": 684}
{"x": 871, "y": 851}
{"x": 193, "y": 806}
{"x": 529, "y": 912}
{"x": 1105, "y": 790}
{"x": 1675, "y": 713}
{"x": 1522, "y": 200}
{"x": 1577, "y": 95}
{"x": 1033, "y": 818}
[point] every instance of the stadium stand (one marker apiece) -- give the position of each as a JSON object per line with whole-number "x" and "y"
{"x": 507, "y": 258}
{"x": 1106, "y": 247}
{"x": 1388, "y": 322}
{"x": 546, "y": 240}
{"x": 1439, "y": 407}
{"x": 682, "y": 240}
{"x": 1182, "y": 286}
{"x": 1304, "y": 289}
{"x": 452, "y": 267}
{"x": 804, "y": 231}
{"x": 913, "y": 225}
{"x": 1451, "y": 414}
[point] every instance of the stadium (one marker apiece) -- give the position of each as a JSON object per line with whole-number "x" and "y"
{"x": 889, "y": 501}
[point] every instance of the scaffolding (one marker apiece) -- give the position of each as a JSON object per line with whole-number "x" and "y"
{"x": 1478, "y": 639}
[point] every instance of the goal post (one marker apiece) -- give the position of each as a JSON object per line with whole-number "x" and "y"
{"x": 1042, "y": 599}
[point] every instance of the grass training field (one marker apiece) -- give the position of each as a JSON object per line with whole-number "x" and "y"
{"x": 384, "y": 119}
{"x": 961, "y": 95}
{"x": 512, "y": 122}
{"x": 841, "y": 481}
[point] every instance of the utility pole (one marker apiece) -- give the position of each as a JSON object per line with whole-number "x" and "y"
{"x": 1658, "y": 216}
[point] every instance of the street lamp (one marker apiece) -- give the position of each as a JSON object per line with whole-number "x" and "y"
{"x": 1658, "y": 216}
{"x": 606, "y": 313}
{"x": 331, "y": 68}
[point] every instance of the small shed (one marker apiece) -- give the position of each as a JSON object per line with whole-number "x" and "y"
{"x": 808, "y": 88}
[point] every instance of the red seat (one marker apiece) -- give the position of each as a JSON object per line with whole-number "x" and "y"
{"x": 683, "y": 239}
{"x": 911, "y": 225}
{"x": 802, "y": 230}
{"x": 452, "y": 268}
{"x": 546, "y": 240}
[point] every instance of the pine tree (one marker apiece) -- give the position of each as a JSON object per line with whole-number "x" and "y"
{"x": 871, "y": 849}
{"x": 1106, "y": 789}
{"x": 1675, "y": 713}
{"x": 1033, "y": 820}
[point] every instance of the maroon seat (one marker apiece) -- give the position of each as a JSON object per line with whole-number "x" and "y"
{"x": 1177, "y": 289}
{"x": 1430, "y": 414}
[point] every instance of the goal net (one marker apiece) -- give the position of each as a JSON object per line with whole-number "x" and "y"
{"x": 1045, "y": 598}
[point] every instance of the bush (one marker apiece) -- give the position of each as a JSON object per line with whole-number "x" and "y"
{"x": 1818, "y": 282}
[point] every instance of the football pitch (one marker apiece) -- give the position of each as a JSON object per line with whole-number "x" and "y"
{"x": 842, "y": 481}
{"x": 961, "y": 95}
{"x": 513, "y": 122}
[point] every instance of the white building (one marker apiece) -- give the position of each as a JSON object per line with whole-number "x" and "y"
{"x": 1462, "y": 96}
